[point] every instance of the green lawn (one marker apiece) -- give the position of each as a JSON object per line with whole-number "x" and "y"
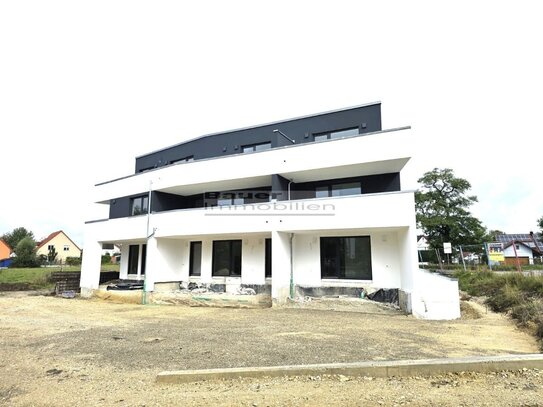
{"x": 35, "y": 278}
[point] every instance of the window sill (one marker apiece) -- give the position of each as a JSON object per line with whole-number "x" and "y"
{"x": 226, "y": 280}
{"x": 337, "y": 282}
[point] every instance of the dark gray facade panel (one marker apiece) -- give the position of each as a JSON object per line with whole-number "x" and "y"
{"x": 370, "y": 184}
{"x": 161, "y": 201}
{"x": 280, "y": 187}
{"x": 120, "y": 207}
{"x": 365, "y": 118}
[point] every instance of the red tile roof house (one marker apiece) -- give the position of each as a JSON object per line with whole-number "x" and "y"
{"x": 64, "y": 246}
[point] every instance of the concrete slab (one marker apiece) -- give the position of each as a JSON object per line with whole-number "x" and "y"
{"x": 398, "y": 368}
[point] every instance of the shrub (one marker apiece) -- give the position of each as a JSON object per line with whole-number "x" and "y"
{"x": 539, "y": 330}
{"x": 528, "y": 311}
{"x": 73, "y": 261}
{"x": 479, "y": 283}
{"x": 506, "y": 298}
{"x": 25, "y": 254}
{"x": 106, "y": 259}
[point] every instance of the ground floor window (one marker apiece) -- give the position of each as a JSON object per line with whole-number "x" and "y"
{"x": 133, "y": 258}
{"x": 227, "y": 258}
{"x": 346, "y": 257}
{"x": 195, "y": 268}
{"x": 143, "y": 258}
{"x": 268, "y": 258}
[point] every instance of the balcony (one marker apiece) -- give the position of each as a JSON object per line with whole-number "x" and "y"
{"x": 370, "y": 211}
{"x": 367, "y": 154}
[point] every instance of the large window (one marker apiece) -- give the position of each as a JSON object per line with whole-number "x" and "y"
{"x": 195, "y": 268}
{"x": 336, "y": 134}
{"x": 139, "y": 205}
{"x": 256, "y": 147}
{"x": 227, "y": 258}
{"x": 143, "y": 258}
{"x": 346, "y": 257}
{"x": 268, "y": 258}
{"x": 133, "y": 256}
{"x": 229, "y": 198}
{"x": 343, "y": 189}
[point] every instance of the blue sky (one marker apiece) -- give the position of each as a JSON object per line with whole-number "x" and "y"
{"x": 87, "y": 86}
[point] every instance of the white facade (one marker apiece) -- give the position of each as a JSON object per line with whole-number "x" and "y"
{"x": 295, "y": 227}
{"x": 523, "y": 251}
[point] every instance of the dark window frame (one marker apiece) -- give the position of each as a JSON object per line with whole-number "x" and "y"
{"x": 133, "y": 257}
{"x": 335, "y": 267}
{"x": 143, "y": 259}
{"x": 267, "y": 258}
{"x": 330, "y": 189}
{"x": 330, "y": 134}
{"x": 234, "y": 267}
{"x": 143, "y": 204}
{"x": 253, "y": 147}
{"x": 192, "y": 259}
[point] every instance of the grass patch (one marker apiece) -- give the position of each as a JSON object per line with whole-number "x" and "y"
{"x": 37, "y": 278}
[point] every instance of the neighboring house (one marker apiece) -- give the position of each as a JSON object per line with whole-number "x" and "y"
{"x": 296, "y": 207}
{"x": 527, "y": 247}
{"x": 5, "y": 250}
{"x": 64, "y": 246}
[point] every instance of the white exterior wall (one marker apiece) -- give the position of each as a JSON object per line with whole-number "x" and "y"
{"x": 281, "y": 266}
{"x": 123, "y": 268}
{"x": 435, "y": 296}
{"x": 385, "y": 263}
{"x": 522, "y": 251}
{"x": 253, "y": 252}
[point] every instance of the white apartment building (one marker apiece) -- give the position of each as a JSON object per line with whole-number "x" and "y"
{"x": 305, "y": 206}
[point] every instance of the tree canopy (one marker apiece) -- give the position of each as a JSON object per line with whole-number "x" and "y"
{"x": 442, "y": 205}
{"x": 540, "y": 224}
{"x": 15, "y": 236}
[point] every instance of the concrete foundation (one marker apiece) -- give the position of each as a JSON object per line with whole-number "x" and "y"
{"x": 400, "y": 368}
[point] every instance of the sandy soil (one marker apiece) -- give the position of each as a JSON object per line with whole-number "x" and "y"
{"x": 57, "y": 351}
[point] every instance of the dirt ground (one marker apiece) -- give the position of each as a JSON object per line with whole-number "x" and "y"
{"x": 56, "y": 352}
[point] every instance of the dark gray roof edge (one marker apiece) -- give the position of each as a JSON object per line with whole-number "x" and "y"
{"x": 261, "y": 125}
{"x": 256, "y": 152}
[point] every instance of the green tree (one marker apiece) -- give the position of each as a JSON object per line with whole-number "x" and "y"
{"x": 442, "y": 206}
{"x": 540, "y": 224}
{"x": 52, "y": 254}
{"x": 25, "y": 254}
{"x": 15, "y": 236}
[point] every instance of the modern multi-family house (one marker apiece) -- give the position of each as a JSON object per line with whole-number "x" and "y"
{"x": 297, "y": 207}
